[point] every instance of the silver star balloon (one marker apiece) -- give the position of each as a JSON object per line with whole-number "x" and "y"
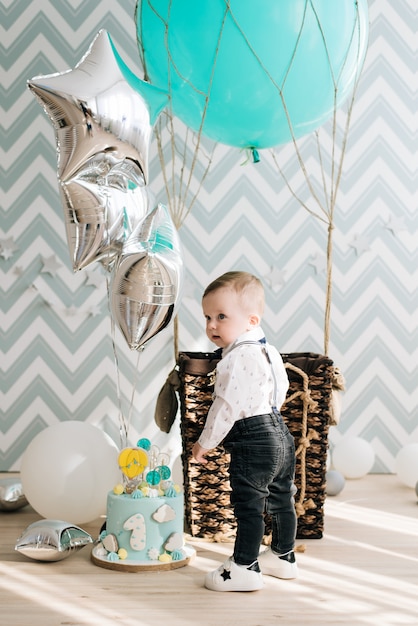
{"x": 11, "y": 494}
{"x": 51, "y": 540}
{"x": 103, "y": 117}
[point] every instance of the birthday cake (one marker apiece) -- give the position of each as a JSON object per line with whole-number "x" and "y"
{"x": 144, "y": 527}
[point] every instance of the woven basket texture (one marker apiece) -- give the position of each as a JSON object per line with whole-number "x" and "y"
{"x": 307, "y": 412}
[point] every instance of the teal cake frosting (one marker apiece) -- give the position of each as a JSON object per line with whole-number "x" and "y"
{"x": 147, "y": 528}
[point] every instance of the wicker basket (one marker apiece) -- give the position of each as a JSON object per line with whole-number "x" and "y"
{"x": 307, "y": 412}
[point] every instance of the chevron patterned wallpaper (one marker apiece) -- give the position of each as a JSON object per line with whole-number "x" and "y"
{"x": 61, "y": 358}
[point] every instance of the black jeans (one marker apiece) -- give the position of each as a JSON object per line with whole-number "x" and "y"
{"x": 261, "y": 473}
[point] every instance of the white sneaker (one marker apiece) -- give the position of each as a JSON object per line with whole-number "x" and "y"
{"x": 233, "y": 577}
{"x": 272, "y": 564}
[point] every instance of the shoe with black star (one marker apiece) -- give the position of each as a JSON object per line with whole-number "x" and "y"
{"x": 226, "y": 574}
{"x": 233, "y": 577}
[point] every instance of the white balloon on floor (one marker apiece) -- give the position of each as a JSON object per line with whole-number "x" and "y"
{"x": 334, "y": 482}
{"x": 406, "y": 464}
{"x": 353, "y": 457}
{"x": 67, "y": 471}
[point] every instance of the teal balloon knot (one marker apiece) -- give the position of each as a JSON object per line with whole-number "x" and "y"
{"x": 256, "y": 156}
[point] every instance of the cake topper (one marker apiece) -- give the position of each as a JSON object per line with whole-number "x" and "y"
{"x": 143, "y": 465}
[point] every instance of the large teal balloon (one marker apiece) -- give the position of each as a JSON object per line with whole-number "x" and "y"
{"x": 246, "y": 72}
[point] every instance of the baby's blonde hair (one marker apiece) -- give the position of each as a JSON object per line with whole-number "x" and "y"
{"x": 248, "y": 287}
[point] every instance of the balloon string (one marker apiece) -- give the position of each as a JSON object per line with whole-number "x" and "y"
{"x": 124, "y": 425}
{"x": 178, "y": 187}
{"x": 280, "y": 89}
{"x": 134, "y": 386}
{"x": 326, "y": 207}
{"x": 123, "y": 429}
{"x": 330, "y": 195}
{"x": 205, "y": 108}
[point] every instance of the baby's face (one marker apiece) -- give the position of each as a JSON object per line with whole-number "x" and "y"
{"x": 226, "y": 317}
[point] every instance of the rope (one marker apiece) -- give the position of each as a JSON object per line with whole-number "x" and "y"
{"x": 306, "y": 436}
{"x": 178, "y": 187}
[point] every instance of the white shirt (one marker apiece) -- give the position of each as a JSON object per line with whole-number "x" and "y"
{"x": 244, "y": 386}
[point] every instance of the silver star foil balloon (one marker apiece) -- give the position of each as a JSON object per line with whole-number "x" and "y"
{"x": 147, "y": 279}
{"x": 11, "y": 494}
{"x": 103, "y": 117}
{"x": 51, "y": 540}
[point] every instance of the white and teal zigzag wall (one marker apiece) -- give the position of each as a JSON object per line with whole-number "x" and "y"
{"x": 60, "y": 357}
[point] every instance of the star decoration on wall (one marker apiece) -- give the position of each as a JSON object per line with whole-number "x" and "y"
{"x": 70, "y": 311}
{"x": 50, "y": 265}
{"x": 275, "y": 278}
{"x": 94, "y": 311}
{"x": 7, "y": 248}
{"x": 395, "y": 224}
{"x": 319, "y": 263}
{"x": 360, "y": 243}
{"x": 94, "y": 278}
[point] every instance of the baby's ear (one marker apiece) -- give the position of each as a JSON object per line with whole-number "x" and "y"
{"x": 254, "y": 320}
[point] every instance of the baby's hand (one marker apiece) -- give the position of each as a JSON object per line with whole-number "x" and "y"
{"x": 199, "y": 453}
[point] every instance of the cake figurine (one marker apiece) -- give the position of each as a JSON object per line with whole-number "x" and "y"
{"x": 144, "y": 527}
